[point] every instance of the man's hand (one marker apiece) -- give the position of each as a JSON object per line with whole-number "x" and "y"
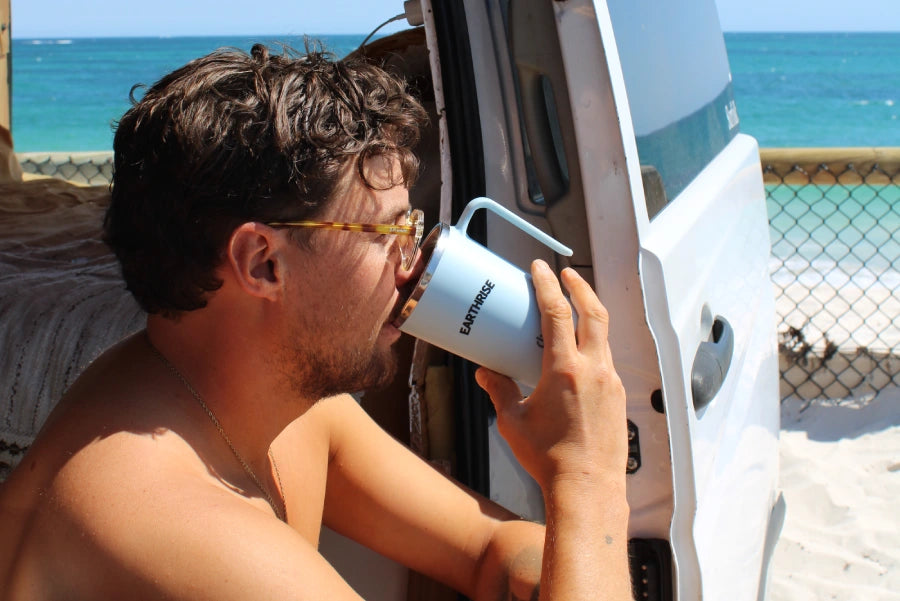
{"x": 573, "y": 424}
{"x": 571, "y": 436}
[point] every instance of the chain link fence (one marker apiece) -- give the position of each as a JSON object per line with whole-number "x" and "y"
{"x": 834, "y": 218}
{"x": 85, "y": 168}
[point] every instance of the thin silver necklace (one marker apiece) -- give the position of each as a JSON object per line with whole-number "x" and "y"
{"x": 279, "y": 511}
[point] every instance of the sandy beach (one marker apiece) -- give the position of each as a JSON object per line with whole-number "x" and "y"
{"x": 840, "y": 475}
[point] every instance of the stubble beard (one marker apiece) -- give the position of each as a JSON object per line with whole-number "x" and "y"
{"x": 350, "y": 373}
{"x": 320, "y": 373}
{"x": 322, "y": 359}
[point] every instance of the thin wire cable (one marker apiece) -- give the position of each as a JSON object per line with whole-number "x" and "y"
{"x": 374, "y": 31}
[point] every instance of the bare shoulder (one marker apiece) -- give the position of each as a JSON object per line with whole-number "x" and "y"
{"x": 105, "y": 512}
{"x": 118, "y": 501}
{"x": 127, "y": 516}
{"x": 158, "y": 530}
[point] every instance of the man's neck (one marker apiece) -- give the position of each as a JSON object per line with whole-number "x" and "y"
{"x": 230, "y": 377}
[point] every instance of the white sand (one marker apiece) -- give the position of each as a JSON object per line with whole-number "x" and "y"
{"x": 840, "y": 474}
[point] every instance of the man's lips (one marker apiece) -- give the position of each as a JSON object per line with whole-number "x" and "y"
{"x": 405, "y": 291}
{"x": 395, "y": 312}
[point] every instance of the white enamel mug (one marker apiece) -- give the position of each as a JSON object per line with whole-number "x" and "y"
{"x": 476, "y": 304}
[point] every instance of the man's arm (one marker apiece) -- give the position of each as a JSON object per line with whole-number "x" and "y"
{"x": 385, "y": 497}
{"x": 570, "y": 435}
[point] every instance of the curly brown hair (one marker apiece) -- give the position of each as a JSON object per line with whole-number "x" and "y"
{"x": 234, "y": 137}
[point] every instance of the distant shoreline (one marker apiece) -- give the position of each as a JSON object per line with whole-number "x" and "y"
{"x": 70, "y": 39}
{"x": 26, "y": 38}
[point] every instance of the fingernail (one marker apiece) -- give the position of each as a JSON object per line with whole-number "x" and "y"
{"x": 541, "y": 265}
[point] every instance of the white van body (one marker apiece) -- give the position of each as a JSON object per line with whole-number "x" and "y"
{"x": 612, "y": 126}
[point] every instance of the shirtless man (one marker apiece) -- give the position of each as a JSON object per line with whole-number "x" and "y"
{"x": 199, "y": 458}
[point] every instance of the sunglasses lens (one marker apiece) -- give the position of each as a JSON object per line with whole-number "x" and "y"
{"x": 407, "y": 250}
{"x": 410, "y": 244}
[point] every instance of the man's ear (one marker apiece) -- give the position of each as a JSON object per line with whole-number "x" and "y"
{"x": 254, "y": 257}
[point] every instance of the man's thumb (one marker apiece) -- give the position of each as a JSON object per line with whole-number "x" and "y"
{"x": 502, "y": 389}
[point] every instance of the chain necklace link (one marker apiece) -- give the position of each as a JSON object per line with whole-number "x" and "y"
{"x": 279, "y": 511}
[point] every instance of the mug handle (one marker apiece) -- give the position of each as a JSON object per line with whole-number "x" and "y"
{"x": 486, "y": 203}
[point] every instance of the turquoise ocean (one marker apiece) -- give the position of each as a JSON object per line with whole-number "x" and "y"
{"x": 67, "y": 93}
{"x": 792, "y": 89}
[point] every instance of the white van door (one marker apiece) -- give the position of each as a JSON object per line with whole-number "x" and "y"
{"x": 613, "y": 127}
{"x": 704, "y": 249}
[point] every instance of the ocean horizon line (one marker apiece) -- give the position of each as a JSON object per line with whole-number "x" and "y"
{"x": 149, "y": 36}
{"x": 58, "y": 39}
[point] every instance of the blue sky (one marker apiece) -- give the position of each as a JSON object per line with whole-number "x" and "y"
{"x": 88, "y": 18}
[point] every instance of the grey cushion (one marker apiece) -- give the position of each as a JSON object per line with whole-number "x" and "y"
{"x": 62, "y": 301}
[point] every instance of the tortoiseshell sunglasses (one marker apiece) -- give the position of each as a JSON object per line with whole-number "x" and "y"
{"x": 409, "y": 234}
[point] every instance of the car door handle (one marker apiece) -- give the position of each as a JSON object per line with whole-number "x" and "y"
{"x": 711, "y": 363}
